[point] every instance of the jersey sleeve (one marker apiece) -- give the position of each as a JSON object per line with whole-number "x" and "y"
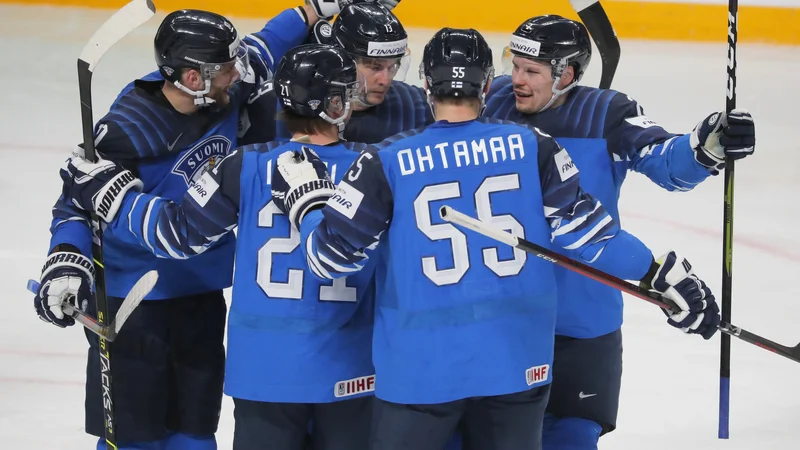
{"x": 209, "y": 210}
{"x": 339, "y": 239}
{"x": 267, "y": 46}
{"x": 667, "y": 159}
{"x": 257, "y": 120}
{"x": 580, "y": 224}
{"x": 71, "y": 225}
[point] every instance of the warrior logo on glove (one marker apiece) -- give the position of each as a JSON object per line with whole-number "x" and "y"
{"x": 300, "y": 184}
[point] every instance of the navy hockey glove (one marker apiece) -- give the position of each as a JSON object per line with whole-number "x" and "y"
{"x": 721, "y": 136}
{"x": 67, "y": 277}
{"x": 97, "y": 187}
{"x": 673, "y": 277}
{"x": 300, "y": 183}
{"x": 321, "y": 33}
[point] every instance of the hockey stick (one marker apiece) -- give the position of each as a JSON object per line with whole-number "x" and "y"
{"x": 109, "y": 332}
{"x": 451, "y": 215}
{"x": 727, "y": 234}
{"x": 596, "y": 20}
{"x": 127, "y": 19}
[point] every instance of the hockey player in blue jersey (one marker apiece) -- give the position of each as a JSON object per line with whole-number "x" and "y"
{"x": 464, "y": 327}
{"x": 377, "y": 40}
{"x": 169, "y": 361}
{"x": 298, "y": 348}
{"x": 374, "y": 36}
{"x": 607, "y": 135}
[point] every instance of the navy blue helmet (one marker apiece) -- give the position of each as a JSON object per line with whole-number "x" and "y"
{"x": 555, "y": 40}
{"x": 457, "y": 63}
{"x": 317, "y": 80}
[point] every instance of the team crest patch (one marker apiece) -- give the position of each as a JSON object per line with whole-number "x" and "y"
{"x": 314, "y": 104}
{"x": 201, "y": 158}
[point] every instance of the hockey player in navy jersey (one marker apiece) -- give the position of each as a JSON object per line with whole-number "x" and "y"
{"x": 169, "y": 360}
{"x": 607, "y": 135}
{"x": 464, "y": 327}
{"x": 374, "y": 36}
{"x": 298, "y": 348}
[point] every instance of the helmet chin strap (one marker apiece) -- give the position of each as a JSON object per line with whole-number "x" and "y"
{"x": 340, "y": 122}
{"x": 558, "y": 69}
{"x": 200, "y": 98}
{"x": 557, "y": 93}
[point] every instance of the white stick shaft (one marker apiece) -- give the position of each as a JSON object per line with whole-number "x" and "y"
{"x": 451, "y": 215}
{"x": 127, "y": 19}
{"x": 580, "y": 5}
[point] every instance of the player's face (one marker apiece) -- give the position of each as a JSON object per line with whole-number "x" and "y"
{"x": 378, "y": 74}
{"x": 533, "y": 84}
{"x": 223, "y": 80}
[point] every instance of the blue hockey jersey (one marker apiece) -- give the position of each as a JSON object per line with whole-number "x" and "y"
{"x": 291, "y": 337}
{"x": 169, "y": 151}
{"x": 405, "y": 107}
{"x": 607, "y": 135}
{"x": 457, "y": 314}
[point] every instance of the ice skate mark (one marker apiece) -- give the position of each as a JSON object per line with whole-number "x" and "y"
{"x": 739, "y": 239}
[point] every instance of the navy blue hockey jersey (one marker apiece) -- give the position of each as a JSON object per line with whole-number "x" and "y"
{"x": 457, "y": 314}
{"x": 291, "y": 337}
{"x": 169, "y": 151}
{"x": 607, "y": 135}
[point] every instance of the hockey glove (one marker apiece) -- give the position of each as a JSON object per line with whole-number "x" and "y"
{"x": 721, "y": 136}
{"x": 326, "y": 9}
{"x": 673, "y": 277}
{"x": 321, "y": 33}
{"x": 67, "y": 277}
{"x": 97, "y": 187}
{"x": 300, "y": 183}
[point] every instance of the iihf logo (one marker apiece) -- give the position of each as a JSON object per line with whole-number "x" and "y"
{"x": 202, "y": 158}
{"x": 341, "y": 390}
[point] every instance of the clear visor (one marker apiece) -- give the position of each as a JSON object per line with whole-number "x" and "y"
{"x": 395, "y": 68}
{"x": 336, "y": 104}
{"x": 238, "y": 66}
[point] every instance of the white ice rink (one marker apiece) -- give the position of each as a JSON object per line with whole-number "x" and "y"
{"x": 670, "y": 384}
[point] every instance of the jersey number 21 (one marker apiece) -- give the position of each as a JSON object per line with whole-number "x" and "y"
{"x": 293, "y": 287}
